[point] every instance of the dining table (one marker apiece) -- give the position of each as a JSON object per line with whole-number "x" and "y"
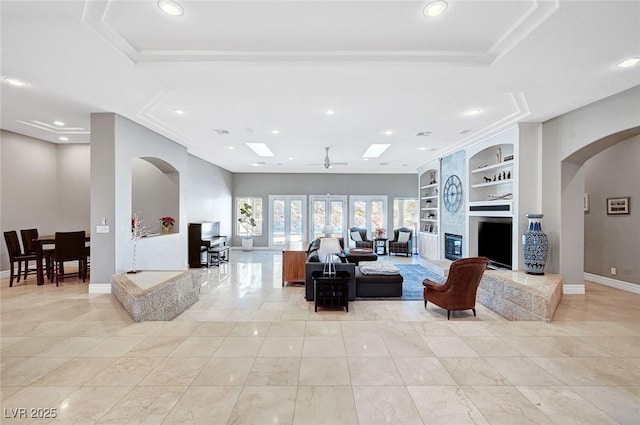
{"x": 41, "y": 241}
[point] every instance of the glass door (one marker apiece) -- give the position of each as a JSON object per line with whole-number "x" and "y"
{"x": 327, "y": 210}
{"x": 369, "y": 212}
{"x": 287, "y": 219}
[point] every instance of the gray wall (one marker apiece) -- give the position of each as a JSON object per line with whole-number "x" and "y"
{"x": 391, "y": 185}
{"x": 208, "y": 194}
{"x": 613, "y": 241}
{"x": 155, "y": 194}
{"x": 568, "y": 141}
{"x": 43, "y": 185}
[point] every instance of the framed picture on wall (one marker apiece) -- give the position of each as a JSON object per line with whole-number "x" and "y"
{"x": 618, "y": 206}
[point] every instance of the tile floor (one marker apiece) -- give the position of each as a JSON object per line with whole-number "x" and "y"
{"x": 252, "y": 352}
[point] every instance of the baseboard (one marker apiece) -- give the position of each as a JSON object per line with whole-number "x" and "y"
{"x": 613, "y": 283}
{"x": 99, "y": 288}
{"x": 5, "y": 274}
{"x": 573, "y": 289}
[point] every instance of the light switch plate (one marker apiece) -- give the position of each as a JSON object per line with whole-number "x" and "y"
{"x": 102, "y": 229}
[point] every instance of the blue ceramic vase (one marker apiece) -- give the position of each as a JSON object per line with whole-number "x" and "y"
{"x": 535, "y": 245}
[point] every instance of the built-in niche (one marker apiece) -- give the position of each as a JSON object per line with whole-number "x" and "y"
{"x": 155, "y": 193}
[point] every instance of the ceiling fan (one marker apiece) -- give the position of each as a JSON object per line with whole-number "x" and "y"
{"x": 327, "y": 162}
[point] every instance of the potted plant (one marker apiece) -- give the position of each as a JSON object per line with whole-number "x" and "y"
{"x": 248, "y": 223}
{"x": 167, "y": 224}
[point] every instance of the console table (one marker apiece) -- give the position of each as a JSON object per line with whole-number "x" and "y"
{"x": 331, "y": 290}
{"x": 294, "y": 256}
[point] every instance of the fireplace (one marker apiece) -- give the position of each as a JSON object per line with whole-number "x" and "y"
{"x": 452, "y": 246}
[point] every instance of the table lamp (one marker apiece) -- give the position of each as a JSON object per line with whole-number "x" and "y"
{"x": 329, "y": 247}
{"x": 328, "y": 230}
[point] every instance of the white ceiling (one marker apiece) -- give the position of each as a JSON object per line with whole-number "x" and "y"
{"x": 251, "y": 67}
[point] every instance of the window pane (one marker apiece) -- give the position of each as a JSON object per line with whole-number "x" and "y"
{"x": 278, "y": 222}
{"x": 256, "y": 209}
{"x": 319, "y": 215}
{"x": 377, "y": 214}
{"x": 336, "y": 218}
{"x": 359, "y": 214}
{"x": 296, "y": 221}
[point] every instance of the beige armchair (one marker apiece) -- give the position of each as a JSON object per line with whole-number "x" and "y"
{"x": 459, "y": 291}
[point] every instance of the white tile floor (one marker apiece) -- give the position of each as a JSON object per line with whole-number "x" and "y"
{"x": 252, "y": 352}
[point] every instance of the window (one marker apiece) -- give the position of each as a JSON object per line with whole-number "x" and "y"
{"x": 405, "y": 213}
{"x": 256, "y": 208}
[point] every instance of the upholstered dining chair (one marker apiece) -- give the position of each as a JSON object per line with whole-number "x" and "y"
{"x": 28, "y": 236}
{"x": 459, "y": 290}
{"x": 70, "y": 246}
{"x": 359, "y": 236}
{"x": 17, "y": 256}
{"x": 402, "y": 242}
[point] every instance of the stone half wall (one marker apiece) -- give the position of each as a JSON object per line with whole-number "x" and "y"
{"x": 156, "y": 295}
{"x": 519, "y": 296}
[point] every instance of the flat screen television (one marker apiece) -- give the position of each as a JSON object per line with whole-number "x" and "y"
{"x": 494, "y": 242}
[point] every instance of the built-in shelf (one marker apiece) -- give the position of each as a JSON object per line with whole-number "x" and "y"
{"x": 492, "y": 183}
{"x": 504, "y": 164}
{"x": 430, "y": 197}
{"x": 428, "y": 186}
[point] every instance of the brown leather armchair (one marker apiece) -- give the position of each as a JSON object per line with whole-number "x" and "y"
{"x": 364, "y": 242}
{"x": 401, "y": 247}
{"x": 459, "y": 291}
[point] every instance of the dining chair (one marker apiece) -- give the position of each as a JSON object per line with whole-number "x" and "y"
{"x": 28, "y": 237}
{"x": 70, "y": 246}
{"x": 17, "y": 256}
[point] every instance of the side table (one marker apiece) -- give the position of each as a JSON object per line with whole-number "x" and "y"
{"x": 331, "y": 290}
{"x": 380, "y": 246}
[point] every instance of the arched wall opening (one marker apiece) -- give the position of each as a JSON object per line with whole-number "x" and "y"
{"x": 155, "y": 193}
{"x": 572, "y": 244}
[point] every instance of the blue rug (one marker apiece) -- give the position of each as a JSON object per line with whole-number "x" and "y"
{"x": 412, "y": 289}
{"x": 413, "y": 275}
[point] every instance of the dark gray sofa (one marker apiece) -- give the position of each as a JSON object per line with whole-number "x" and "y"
{"x": 360, "y": 285}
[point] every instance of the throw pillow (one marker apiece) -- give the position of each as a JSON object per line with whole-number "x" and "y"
{"x": 356, "y": 236}
{"x": 403, "y": 236}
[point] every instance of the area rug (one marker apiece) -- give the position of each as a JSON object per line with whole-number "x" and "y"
{"x": 413, "y": 275}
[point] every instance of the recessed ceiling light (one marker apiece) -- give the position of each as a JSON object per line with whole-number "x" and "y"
{"x": 435, "y": 8}
{"x": 170, "y": 7}
{"x": 421, "y": 148}
{"x": 628, "y": 63}
{"x": 424, "y": 133}
{"x": 375, "y": 150}
{"x": 388, "y": 133}
{"x": 260, "y": 149}
{"x": 178, "y": 111}
{"x": 64, "y": 139}
{"x": 231, "y": 148}
{"x": 221, "y": 131}
{"x": 275, "y": 132}
{"x": 472, "y": 112}
{"x": 290, "y": 158}
{"x": 330, "y": 112}
{"x": 58, "y": 123}
{"x": 465, "y": 131}
{"x": 259, "y": 164}
{"x": 14, "y": 82}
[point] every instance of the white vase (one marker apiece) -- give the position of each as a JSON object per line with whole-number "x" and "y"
{"x": 247, "y": 244}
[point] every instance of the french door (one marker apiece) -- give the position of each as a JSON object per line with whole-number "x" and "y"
{"x": 369, "y": 212}
{"x": 287, "y": 219}
{"x": 327, "y": 211}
